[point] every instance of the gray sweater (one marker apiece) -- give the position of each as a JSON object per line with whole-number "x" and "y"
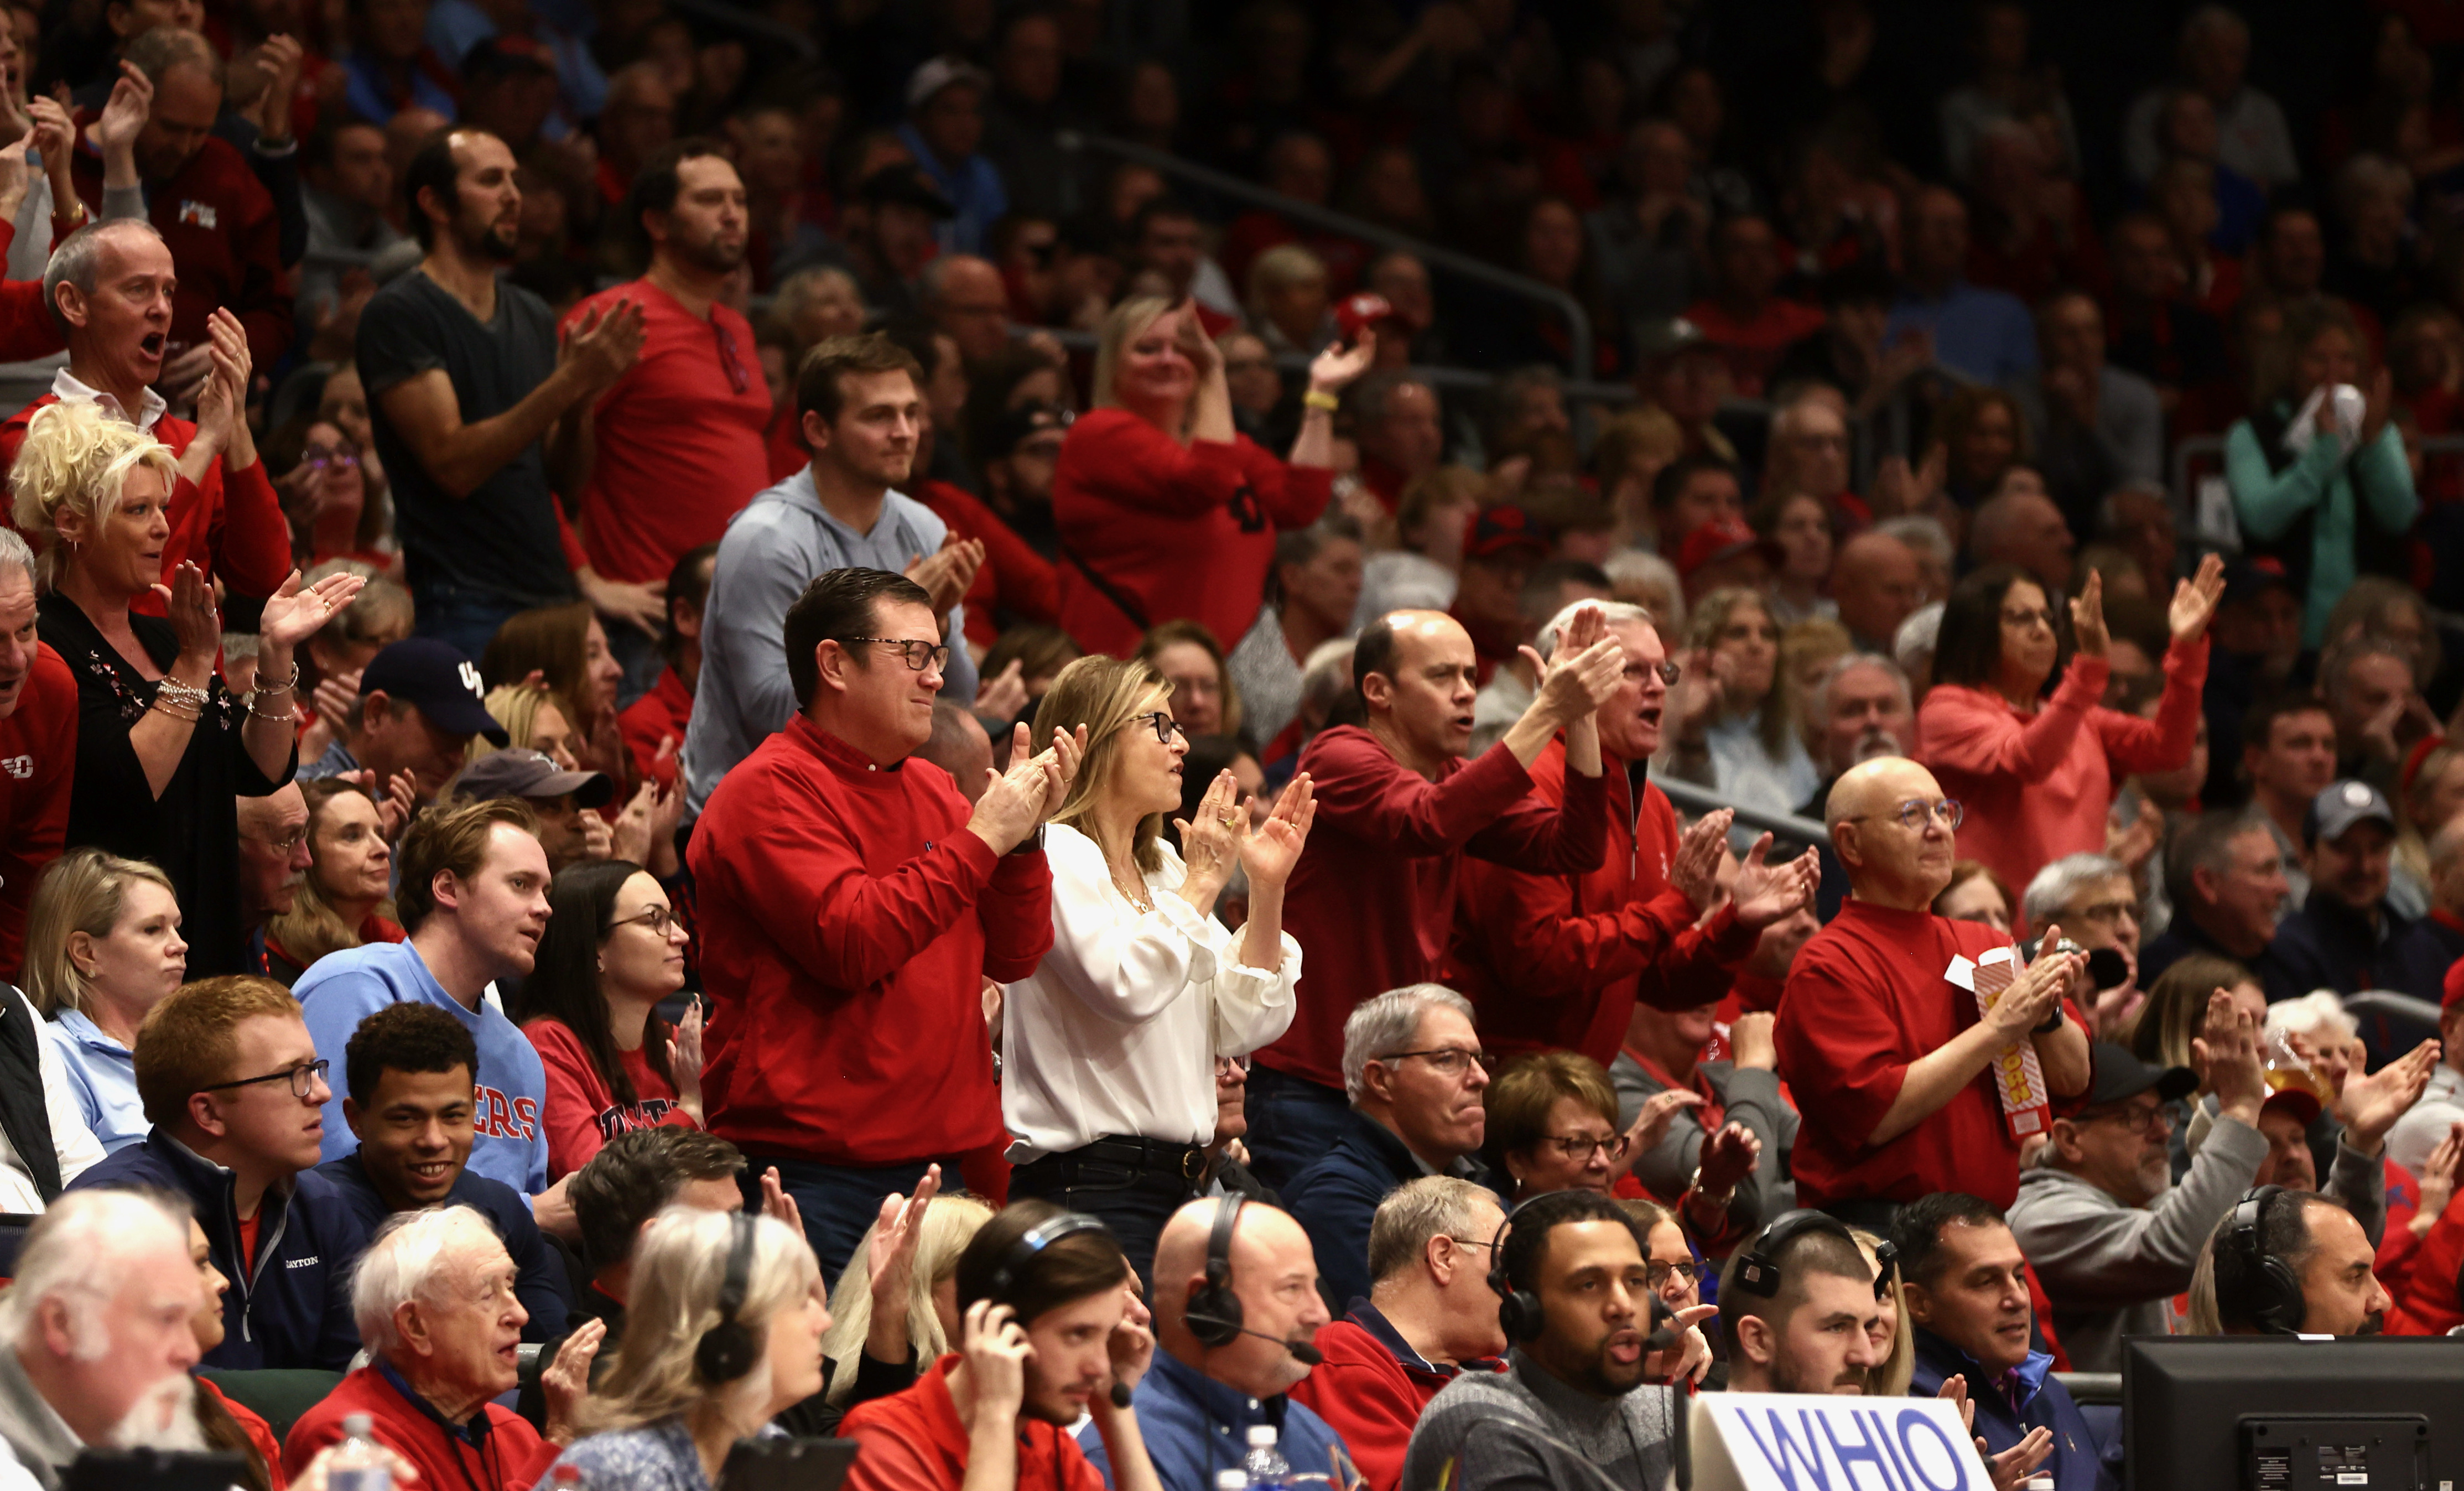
{"x": 1752, "y": 1098}
{"x": 1522, "y": 1430}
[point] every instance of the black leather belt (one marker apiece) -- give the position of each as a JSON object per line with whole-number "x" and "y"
{"x": 1129, "y": 1151}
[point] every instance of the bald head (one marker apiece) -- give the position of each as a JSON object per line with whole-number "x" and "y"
{"x": 965, "y": 297}
{"x": 1877, "y": 582}
{"x": 1890, "y": 862}
{"x": 1273, "y": 1275}
{"x": 2024, "y": 527}
{"x": 1418, "y": 678}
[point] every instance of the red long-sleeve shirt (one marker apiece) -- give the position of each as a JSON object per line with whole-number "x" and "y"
{"x": 2425, "y": 1304}
{"x": 1013, "y": 578}
{"x": 230, "y": 525}
{"x": 2038, "y": 786}
{"x": 656, "y": 716}
{"x": 37, "y": 760}
{"x": 219, "y": 223}
{"x": 1373, "y": 1398}
{"x": 1178, "y": 531}
{"x": 1865, "y": 999}
{"x": 848, "y": 923}
{"x": 581, "y": 1113}
{"x": 510, "y": 1457}
{"x": 1372, "y": 902}
{"x": 27, "y": 330}
{"x": 1557, "y": 962}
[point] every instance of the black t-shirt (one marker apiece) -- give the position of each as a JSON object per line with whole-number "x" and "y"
{"x": 502, "y": 539}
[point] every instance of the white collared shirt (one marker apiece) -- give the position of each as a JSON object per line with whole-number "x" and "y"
{"x": 70, "y": 389}
{"x": 73, "y": 1143}
{"x": 1117, "y": 1031}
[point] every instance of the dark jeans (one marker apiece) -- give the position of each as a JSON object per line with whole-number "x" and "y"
{"x": 1134, "y": 1201}
{"x": 1292, "y": 1120}
{"x": 465, "y": 618}
{"x": 839, "y": 1201}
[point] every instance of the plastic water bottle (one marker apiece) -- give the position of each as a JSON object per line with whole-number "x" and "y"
{"x": 359, "y": 1463}
{"x": 1264, "y": 1464}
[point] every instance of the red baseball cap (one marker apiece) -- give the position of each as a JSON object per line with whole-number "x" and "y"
{"x": 1358, "y": 313}
{"x": 2454, "y": 986}
{"x": 1721, "y": 539}
{"x": 1504, "y": 529}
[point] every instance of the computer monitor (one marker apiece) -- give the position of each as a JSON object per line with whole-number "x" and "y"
{"x": 2215, "y": 1412}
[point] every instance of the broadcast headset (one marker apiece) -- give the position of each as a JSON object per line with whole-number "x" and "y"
{"x": 1214, "y": 1312}
{"x": 728, "y": 1349}
{"x": 1022, "y": 1255}
{"x": 2267, "y": 1292}
{"x": 1758, "y": 1270}
{"x": 1519, "y": 1312}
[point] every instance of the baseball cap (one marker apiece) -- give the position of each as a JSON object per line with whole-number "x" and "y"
{"x": 1721, "y": 539}
{"x": 2454, "y": 986}
{"x": 2247, "y": 578}
{"x": 2340, "y": 806}
{"x": 437, "y": 678}
{"x": 1027, "y": 419}
{"x": 2120, "y": 1076}
{"x": 2300, "y": 1102}
{"x": 906, "y": 185}
{"x": 1501, "y": 530}
{"x": 939, "y": 73}
{"x": 525, "y": 773}
{"x": 1356, "y": 312}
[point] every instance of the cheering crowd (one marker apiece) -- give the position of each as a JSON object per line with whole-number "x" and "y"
{"x": 734, "y": 722}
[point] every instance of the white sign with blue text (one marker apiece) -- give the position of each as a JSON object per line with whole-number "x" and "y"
{"x": 1785, "y": 1442}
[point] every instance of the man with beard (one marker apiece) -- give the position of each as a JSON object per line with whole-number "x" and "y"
{"x": 1581, "y": 1401}
{"x": 2331, "y": 1257}
{"x": 468, "y": 385}
{"x": 675, "y": 446}
{"x": 1560, "y": 961}
{"x": 1800, "y": 1307}
{"x": 107, "y": 1268}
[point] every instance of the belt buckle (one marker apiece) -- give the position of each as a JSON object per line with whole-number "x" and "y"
{"x": 1194, "y": 1165}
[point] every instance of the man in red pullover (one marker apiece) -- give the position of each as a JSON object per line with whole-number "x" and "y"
{"x": 1430, "y": 1317}
{"x": 1398, "y": 809}
{"x": 851, "y": 907}
{"x": 38, "y": 731}
{"x": 110, "y": 285}
{"x": 1557, "y": 962}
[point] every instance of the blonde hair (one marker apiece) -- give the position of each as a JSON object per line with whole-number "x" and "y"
{"x": 77, "y": 457}
{"x": 1279, "y": 267}
{"x": 1890, "y": 1378}
{"x": 678, "y": 1269}
{"x": 1106, "y": 694}
{"x": 950, "y": 1222}
{"x": 83, "y": 890}
{"x": 517, "y": 707}
{"x": 1121, "y": 327}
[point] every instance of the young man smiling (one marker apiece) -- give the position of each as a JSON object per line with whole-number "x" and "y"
{"x": 410, "y": 1072}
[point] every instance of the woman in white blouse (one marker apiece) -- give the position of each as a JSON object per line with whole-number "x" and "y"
{"x": 1109, "y": 1049}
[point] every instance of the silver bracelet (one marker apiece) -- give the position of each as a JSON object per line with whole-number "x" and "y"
{"x": 172, "y": 691}
{"x": 284, "y": 687}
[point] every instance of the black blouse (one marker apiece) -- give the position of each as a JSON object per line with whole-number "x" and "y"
{"x": 191, "y": 831}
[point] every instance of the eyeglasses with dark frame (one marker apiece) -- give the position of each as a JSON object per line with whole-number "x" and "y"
{"x": 1658, "y": 1274}
{"x": 1575, "y": 1147}
{"x": 1915, "y": 811}
{"x": 659, "y": 921}
{"x": 932, "y": 655}
{"x": 1447, "y": 1059}
{"x": 1161, "y": 722}
{"x": 1669, "y": 672}
{"x": 303, "y": 1079}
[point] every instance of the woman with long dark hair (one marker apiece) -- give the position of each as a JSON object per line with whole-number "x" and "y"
{"x": 2036, "y": 776}
{"x": 613, "y": 949}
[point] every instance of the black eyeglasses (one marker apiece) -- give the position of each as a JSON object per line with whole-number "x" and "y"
{"x": 1447, "y": 1059}
{"x": 1658, "y": 1274}
{"x": 1915, "y": 811}
{"x": 1581, "y": 1146}
{"x": 304, "y": 1080}
{"x": 920, "y": 654}
{"x": 659, "y": 920}
{"x": 1163, "y": 724}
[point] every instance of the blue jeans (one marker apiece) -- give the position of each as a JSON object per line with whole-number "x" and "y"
{"x": 468, "y": 619}
{"x": 839, "y": 1201}
{"x": 1292, "y": 1120}
{"x": 1133, "y": 1202}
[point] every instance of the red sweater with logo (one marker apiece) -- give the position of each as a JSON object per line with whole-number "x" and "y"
{"x": 581, "y": 1113}
{"x": 1175, "y": 531}
{"x": 38, "y": 761}
{"x": 1373, "y": 898}
{"x": 1558, "y": 962}
{"x": 848, "y": 923}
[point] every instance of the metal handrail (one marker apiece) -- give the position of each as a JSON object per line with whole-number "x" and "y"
{"x": 1694, "y": 798}
{"x": 2092, "y": 1387}
{"x": 1435, "y": 375}
{"x": 1579, "y": 322}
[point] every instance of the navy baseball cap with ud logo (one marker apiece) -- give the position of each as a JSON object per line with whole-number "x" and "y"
{"x": 437, "y": 678}
{"x": 2343, "y": 804}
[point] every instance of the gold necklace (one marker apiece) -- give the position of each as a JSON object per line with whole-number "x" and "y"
{"x": 1142, "y": 903}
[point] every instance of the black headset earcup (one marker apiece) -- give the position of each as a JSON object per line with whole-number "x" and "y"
{"x": 1214, "y": 1315}
{"x": 2282, "y": 1308}
{"x": 1520, "y": 1316}
{"x": 725, "y": 1352}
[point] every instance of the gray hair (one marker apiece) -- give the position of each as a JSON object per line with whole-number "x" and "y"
{"x": 15, "y": 553}
{"x": 803, "y": 287}
{"x": 1417, "y": 1211}
{"x": 157, "y": 51}
{"x": 2205, "y": 846}
{"x": 2336, "y": 664}
{"x": 76, "y": 1252}
{"x": 1818, "y": 699}
{"x": 403, "y": 1265}
{"x": 1640, "y": 569}
{"x": 2051, "y": 892}
{"x": 1384, "y": 1026}
{"x": 1326, "y": 678}
{"x": 79, "y": 261}
{"x": 1614, "y": 613}
{"x": 1920, "y": 533}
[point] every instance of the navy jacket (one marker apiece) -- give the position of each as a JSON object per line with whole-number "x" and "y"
{"x": 2328, "y": 945}
{"x": 541, "y": 1283}
{"x": 2077, "y": 1462}
{"x": 293, "y": 1308}
{"x": 2415, "y": 960}
{"x": 1335, "y": 1197}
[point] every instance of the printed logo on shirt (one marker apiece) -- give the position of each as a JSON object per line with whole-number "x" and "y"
{"x": 1247, "y": 511}
{"x": 500, "y": 1118}
{"x": 618, "y": 1119}
{"x": 20, "y": 767}
{"x": 200, "y": 214}
{"x": 309, "y": 1262}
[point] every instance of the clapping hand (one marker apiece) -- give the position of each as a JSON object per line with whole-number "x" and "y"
{"x": 1729, "y": 1156}
{"x": 684, "y": 1060}
{"x": 2035, "y": 994}
{"x": 1336, "y": 367}
{"x": 2195, "y": 599}
{"x": 294, "y": 613}
{"x": 890, "y": 1263}
{"x": 1585, "y": 668}
{"x": 189, "y": 601}
{"x": 566, "y": 1382}
{"x": 2369, "y": 1105}
{"x": 2088, "y": 617}
{"x": 2437, "y": 1181}
{"x": 2012, "y": 1468}
{"x": 1212, "y": 838}
{"x": 777, "y": 1204}
{"x": 1765, "y": 893}
{"x": 1650, "y": 1126}
{"x": 1273, "y": 851}
{"x": 1695, "y": 868}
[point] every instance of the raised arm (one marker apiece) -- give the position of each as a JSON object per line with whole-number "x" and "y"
{"x": 427, "y": 412}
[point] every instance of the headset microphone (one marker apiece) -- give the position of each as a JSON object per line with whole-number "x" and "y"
{"x": 1302, "y": 1351}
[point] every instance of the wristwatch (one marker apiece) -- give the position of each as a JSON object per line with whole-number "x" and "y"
{"x": 1032, "y": 844}
{"x": 2053, "y": 1021}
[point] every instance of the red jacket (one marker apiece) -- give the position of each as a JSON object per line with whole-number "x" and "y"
{"x": 916, "y": 1441}
{"x": 848, "y": 921}
{"x": 219, "y": 223}
{"x": 1371, "y": 1395}
{"x": 658, "y": 715}
{"x": 1175, "y": 530}
{"x": 508, "y": 1458}
{"x": 1557, "y": 962}
{"x": 2427, "y": 1304}
{"x": 260, "y": 1433}
{"x": 231, "y": 525}
{"x": 27, "y": 330}
{"x": 2038, "y": 786}
{"x": 1013, "y": 578}
{"x": 1371, "y": 901}
{"x": 37, "y": 762}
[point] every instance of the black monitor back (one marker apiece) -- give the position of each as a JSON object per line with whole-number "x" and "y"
{"x": 2184, "y": 1399}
